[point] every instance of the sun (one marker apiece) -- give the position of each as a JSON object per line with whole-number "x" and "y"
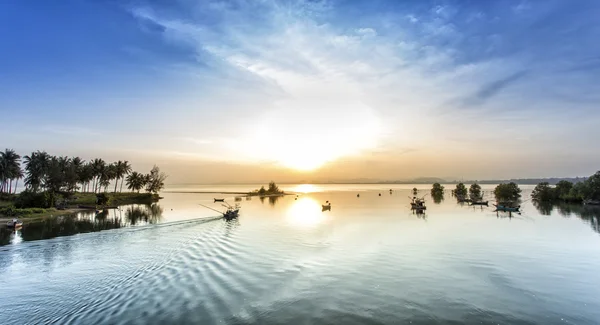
{"x": 305, "y": 135}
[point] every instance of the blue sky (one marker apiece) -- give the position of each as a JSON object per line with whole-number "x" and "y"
{"x": 379, "y": 89}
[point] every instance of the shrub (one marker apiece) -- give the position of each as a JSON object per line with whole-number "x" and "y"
{"x": 460, "y": 190}
{"x": 507, "y": 192}
{"x": 475, "y": 192}
{"x": 29, "y": 199}
{"x": 544, "y": 193}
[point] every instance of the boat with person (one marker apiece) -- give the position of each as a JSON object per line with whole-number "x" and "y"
{"x": 231, "y": 212}
{"x": 326, "y": 206}
{"x": 14, "y": 224}
{"x": 418, "y": 204}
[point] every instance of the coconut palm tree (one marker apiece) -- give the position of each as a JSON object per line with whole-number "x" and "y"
{"x": 10, "y": 167}
{"x": 99, "y": 167}
{"x": 18, "y": 176}
{"x": 36, "y": 167}
{"x": 86, "y": 175}
{"x": 125, "y": 170}
{"x": 136, "y": 181}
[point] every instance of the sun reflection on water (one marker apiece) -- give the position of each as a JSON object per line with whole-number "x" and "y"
{"x": 305, "y": 212}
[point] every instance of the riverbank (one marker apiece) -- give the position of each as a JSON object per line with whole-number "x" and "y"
{"x": 77, "y": 202}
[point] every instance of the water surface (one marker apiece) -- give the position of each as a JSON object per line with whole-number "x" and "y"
{"x": 369, "y": 260}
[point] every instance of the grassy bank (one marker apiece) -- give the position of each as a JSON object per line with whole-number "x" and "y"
{"x": 73, "y": 204}
{"x": 113, "y": 198}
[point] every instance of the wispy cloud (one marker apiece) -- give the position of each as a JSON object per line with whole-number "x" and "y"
{"x": 490, "y": 89}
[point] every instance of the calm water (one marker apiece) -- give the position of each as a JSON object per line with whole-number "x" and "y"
{"x": 367, "y": 261}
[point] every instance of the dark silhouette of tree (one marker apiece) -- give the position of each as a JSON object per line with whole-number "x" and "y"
{"x": 475, "y": 192}
{"x": 507, "y": 192}
{"x": 460, "y": 191}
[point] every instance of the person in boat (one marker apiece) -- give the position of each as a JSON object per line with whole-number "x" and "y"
{"x": 15, "y": 221}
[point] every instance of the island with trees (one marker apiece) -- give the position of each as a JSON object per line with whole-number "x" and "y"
{"x": 271, "y": 190}
{"x": 63, "y": 185}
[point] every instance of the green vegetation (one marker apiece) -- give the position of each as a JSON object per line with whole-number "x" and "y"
{"x": 566, "y": 191}
{"x": 460, "y": 191}
{"x": 507, "y": 192}
{"x": 272, "y": 190}
{"x": 10, "y": 211}
{"x": 10, "y": 170}
{"x": 54, "y": 182}
{"x": 475, "y": 192}
{"x": 437, "y": 190}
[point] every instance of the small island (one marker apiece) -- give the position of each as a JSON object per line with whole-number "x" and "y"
{"x": 272, "y": 190}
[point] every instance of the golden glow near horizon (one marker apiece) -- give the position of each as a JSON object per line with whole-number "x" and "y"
{"x": 305, "y": 212}
{"x": 305, "y": 188}
{"x": 304, "y": 135}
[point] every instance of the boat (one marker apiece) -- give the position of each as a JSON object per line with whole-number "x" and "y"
{"x": 219, "y": 200}
{"x": 418, "y": 204}
{"x": 479, "y": 203}
{"x": 231, "y": 213}
{"x": 14, "y": 224}
{"x": 507, "y": 208}
{"x": 326, "y": 207}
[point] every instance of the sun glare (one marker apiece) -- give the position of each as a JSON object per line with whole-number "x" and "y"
{"x": 305, "y": 135}
{"x": 305, "y": 188}
{"x": 305, "y": 212}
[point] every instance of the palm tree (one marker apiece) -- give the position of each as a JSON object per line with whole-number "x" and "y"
{"x": 18, "y": 176}
{"x": 125, "y": 170}
{"x": 36, "y": 167}
{"x": 136, "y": 181}
{"x": 122, "y": 168}
{"x": 86, "y": 174}
{"x": 109, "y": 175}
{"x": 98, "y": 167}
{"x": 10, "y": 167}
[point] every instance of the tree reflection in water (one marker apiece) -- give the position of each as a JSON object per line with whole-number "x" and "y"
{"x": 587, "y": 213}
{"x": 62, "y": 226}
{"x": 147, "y": 214}
{"x": 273, "y": 200}
{"x": 84, "y": 222}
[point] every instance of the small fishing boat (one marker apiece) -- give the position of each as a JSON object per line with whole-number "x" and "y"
{"x": 418, "y": 204}
{"x": 14, "y": 224}
{"x": 219, "y": 200}
{"x": 479, "y": 203}
{"x": 326, "y": 207}
{"x": 591, "y": 202}
{"x": 507, "y": 208}
{"x": 231, "y": 213}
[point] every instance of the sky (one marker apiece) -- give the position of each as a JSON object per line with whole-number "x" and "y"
{"x": 306, "y": 90}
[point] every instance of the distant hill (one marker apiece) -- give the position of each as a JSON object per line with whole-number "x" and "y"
{"x": 530, "y": 181}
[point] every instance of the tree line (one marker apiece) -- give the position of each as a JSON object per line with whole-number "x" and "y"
{"x": 60, "y": 174}
{"x": 565, "y": 191}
